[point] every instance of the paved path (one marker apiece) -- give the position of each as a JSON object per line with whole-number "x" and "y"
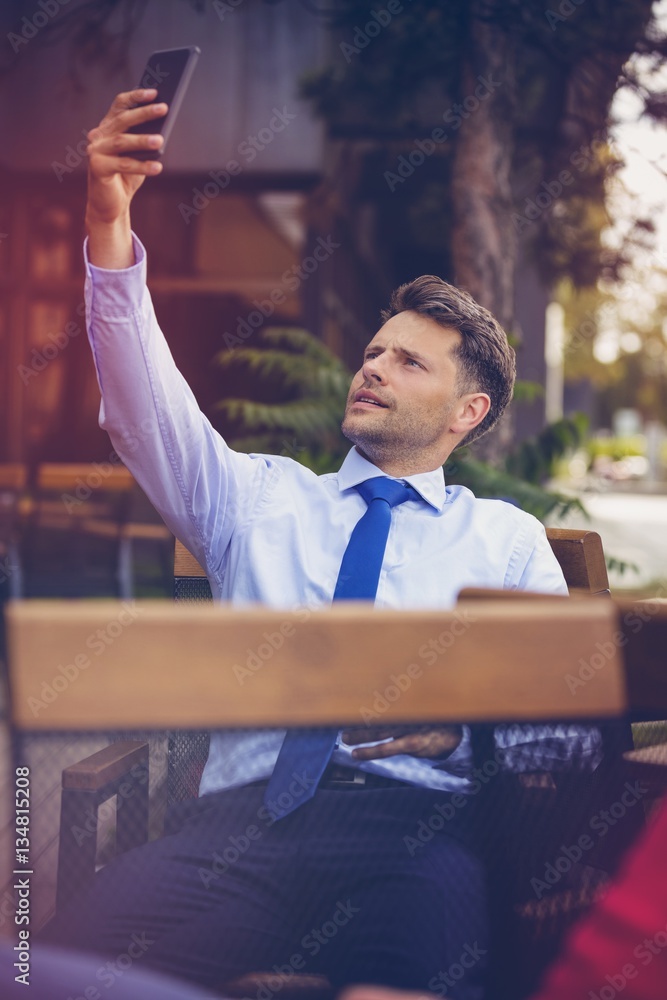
{"x": 633, "y": 527}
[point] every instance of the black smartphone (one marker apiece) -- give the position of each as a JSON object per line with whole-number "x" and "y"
{"x": 169, "y": 71}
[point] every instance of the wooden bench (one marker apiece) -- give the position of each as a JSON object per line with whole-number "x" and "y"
{"x": 91, "y": 501}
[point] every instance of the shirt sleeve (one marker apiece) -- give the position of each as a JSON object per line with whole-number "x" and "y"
{"x": 199, "y": 486}
{"x": 523, "y": 748}
{"x": 556, "y": 747}
{"x": 541, "y": 570}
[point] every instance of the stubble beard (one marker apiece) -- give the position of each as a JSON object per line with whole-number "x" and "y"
{"x": 394, "y": 440}
{"x": 375, "y": 443}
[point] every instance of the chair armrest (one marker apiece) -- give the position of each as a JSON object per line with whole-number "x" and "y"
{"x": 107, "y": 765}
{"x": 654, "y": 756}
{"x": 498, "y": 594}
{"x": 85, "y": 786}
{"x": 649, "y": 765}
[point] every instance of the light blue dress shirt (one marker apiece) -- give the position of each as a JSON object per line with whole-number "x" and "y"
{"x": 268, "y": 530}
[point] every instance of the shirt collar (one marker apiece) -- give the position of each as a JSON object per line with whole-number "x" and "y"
{"x": 356, "y": 469}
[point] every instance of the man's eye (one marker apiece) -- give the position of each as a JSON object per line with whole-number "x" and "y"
{"x": 411, "y": 361}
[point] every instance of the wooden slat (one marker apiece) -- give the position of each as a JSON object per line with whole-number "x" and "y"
{"x": 581, "y": 558}
{"x": 51, "y": 511}
{"x": 655, "y": 756}
{"x": 157, "y": 665}
{"x": 648, "y": 765}
{"x": 139, "y": 531}
{"x": 644, "y": 644}
{"x": 131, "y": 530}
{"x": 13, "y": 476}
{"x": 66, "y": 477}
{"x": 106, "y": 765}
{"x": 492, "y": 594}
{"x": 185, "y": 563}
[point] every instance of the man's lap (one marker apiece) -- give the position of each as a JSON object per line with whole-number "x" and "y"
{"x": 348, "y": 878}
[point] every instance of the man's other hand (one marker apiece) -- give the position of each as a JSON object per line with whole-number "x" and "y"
{"x": 418, "y": 741}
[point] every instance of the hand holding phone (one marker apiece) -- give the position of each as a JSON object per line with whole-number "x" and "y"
{"x": 169, "y": 71}
{"x": 125, "y": 148}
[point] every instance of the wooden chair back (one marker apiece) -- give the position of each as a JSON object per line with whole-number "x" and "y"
{"x": 581, "y": 558}
{"x": 579, "y": 553}
{"x": 185, "y": 564}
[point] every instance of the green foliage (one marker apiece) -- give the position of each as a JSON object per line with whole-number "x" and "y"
{"x": 620, "y": 566}
{"x": 407, "y": 80}
{"x": 293, "y": 358}
{"x": 534, "y": 459}
{"x": 311, "y": 384}
{"x": 486, "y": 481}
{"x": 527, "y": 392}
{"x": 616, "y": 448}
{"x": 305, "y": 422}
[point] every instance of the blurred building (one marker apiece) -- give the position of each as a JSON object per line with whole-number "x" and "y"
{"x": 259, "y": 216}
{"x": 226, "y": 226}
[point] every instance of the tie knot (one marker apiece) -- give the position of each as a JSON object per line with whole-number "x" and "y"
{"x": 383, "y": 488}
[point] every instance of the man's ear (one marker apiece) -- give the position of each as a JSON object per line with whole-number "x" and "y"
{"x": 470, "y": 411}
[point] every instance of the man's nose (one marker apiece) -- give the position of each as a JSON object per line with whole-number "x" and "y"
{"x": 373, "y": 371}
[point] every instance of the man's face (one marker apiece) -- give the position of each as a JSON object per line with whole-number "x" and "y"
{"x": 403, "y": 402}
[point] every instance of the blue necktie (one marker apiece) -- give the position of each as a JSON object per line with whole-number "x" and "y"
{"x": 306, "y": 753}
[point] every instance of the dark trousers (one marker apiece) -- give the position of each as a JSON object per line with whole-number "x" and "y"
{"x": 367, "y": 886}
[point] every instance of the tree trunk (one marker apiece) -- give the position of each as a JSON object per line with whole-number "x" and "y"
{"x": 484, "y": 241}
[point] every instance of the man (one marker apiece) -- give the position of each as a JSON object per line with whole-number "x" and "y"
{"x": 300, "y": 855}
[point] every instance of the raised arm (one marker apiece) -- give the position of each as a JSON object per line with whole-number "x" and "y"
{"x": 200, "y": 486}
{"x": 113, "y": 179}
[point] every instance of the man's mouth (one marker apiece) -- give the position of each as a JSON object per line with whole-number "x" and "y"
{"x": 368, "y": 399}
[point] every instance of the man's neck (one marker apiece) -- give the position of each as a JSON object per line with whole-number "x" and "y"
{"x": 400, "y": 468}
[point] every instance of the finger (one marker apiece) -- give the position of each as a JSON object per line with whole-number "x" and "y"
{"x": 125, "y": 120}
{"x": 432, "y": 743}
{"x": 428, "y": 744}
{"x": 124, "y": 102}
{"x": 379, "y": 752}
{"x": 135, "y": 116}
{"x": 130, "y": 98}
{"x": 373, "y": 733}
{"x": 106, "y": 166}
{"x": 113, "y": 145}
{"x": 415, "y": 744}
{"x": 120, "y": 121}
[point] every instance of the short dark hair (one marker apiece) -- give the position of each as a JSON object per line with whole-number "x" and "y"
{"x": 485, "y": 359}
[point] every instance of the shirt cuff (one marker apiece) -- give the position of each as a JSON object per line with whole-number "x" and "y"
{"x": 548, "y": 747}
{"x": 116, "y": 292}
